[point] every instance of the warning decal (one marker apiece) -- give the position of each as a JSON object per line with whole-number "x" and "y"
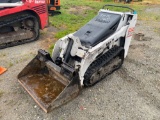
{"x": 130, "y": 32}
{"x": 36, "y": 1}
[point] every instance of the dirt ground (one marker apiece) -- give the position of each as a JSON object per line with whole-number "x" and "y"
{"x": 132, "y": 92}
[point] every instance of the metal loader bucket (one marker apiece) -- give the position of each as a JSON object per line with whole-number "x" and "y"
{"x": 42, "y": 80}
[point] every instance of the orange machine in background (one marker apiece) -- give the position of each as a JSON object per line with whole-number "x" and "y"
{"x": 53, "y": 5}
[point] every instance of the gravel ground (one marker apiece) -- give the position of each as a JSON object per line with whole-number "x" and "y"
{"x": 132, "y": 92}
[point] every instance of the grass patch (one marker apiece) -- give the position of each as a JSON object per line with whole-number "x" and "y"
{"x": 43, "y": 32}
{"x": 51, "y": 48}
{"x": 3, "y": 55}
{"x": 157, "y": 30}
{"x": 10, "y": 64}
{"x": 1, "y": 93}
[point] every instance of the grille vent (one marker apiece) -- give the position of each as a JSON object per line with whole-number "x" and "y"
{"x": 40, "y": 9}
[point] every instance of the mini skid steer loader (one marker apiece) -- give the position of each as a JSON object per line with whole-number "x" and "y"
{"x": 80, "y": 59}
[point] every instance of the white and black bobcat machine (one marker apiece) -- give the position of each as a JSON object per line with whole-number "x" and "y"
{"x": 82, "y": 58}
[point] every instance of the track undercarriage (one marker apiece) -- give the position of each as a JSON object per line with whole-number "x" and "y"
{"x": 18, "y": 29}
{"x": 104, "y": 65}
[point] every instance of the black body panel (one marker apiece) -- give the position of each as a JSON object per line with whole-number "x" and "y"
{"x": 98, "y": 29}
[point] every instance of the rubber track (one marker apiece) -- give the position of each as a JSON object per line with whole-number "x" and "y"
{"x": 101, "y": 62}
{"x": 18, "y": 18}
